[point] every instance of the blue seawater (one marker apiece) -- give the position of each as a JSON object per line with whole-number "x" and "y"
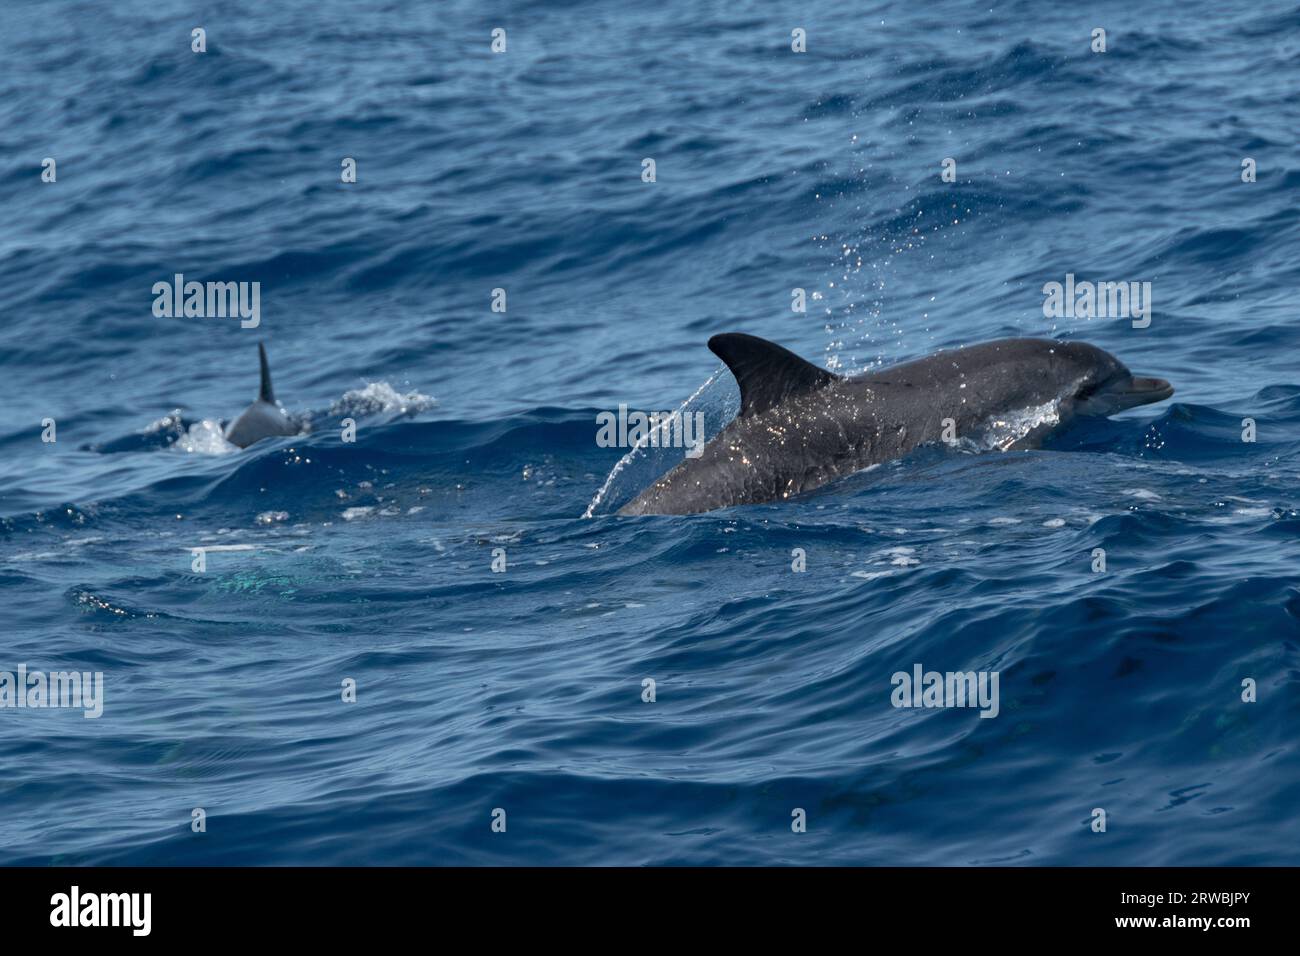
{"x": 521, "y": 691}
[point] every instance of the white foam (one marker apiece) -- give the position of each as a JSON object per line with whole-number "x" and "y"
{"x": 205, "y": 438}
{"x": 1002, "y": 433}
{"x": 872, "y": 575}
{"x": 381, "y": 398}
{"x": 1142, "y": 494}
{"x": 169, "y": 422}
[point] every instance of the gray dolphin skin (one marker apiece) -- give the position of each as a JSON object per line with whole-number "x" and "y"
{"x": 801, "y": 426}
{"x": 262, "y": 419}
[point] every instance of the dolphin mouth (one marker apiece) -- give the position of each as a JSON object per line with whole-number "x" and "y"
{"x": 1144, "y": 391}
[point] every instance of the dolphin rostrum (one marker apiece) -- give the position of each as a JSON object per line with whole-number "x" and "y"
{"x": 801, "y": 426}
{"x": 263, "y": 418}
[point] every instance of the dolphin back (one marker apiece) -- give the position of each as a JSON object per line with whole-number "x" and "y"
{"x": 263, "y": 418}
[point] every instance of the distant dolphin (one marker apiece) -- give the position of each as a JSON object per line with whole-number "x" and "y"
{"x": 262, "y": 419}
{"x": 801, "y": 426}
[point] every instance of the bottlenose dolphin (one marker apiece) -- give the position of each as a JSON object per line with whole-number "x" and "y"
{"x": 801, "y": 426}
{"x": 263, "y": 418}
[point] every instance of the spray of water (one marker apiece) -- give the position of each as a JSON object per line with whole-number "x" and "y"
{"x": 639, "y": 449}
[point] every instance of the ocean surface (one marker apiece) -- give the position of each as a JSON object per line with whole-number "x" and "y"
{"x": 517, "y": 695}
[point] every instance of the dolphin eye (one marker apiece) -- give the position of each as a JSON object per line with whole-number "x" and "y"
{"x": 1086, "y": 392}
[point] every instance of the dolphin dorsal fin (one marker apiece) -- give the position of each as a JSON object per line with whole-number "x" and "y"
{"x": 265, "y": 394}
{"x": 766, "y": 373}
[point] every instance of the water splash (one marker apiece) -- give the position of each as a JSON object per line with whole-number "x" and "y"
{"x": 205, "y": 438}
{"x": 1002, "y": 433}
{"x": 381, "y": 398}
{"x": 640, "y": 447}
